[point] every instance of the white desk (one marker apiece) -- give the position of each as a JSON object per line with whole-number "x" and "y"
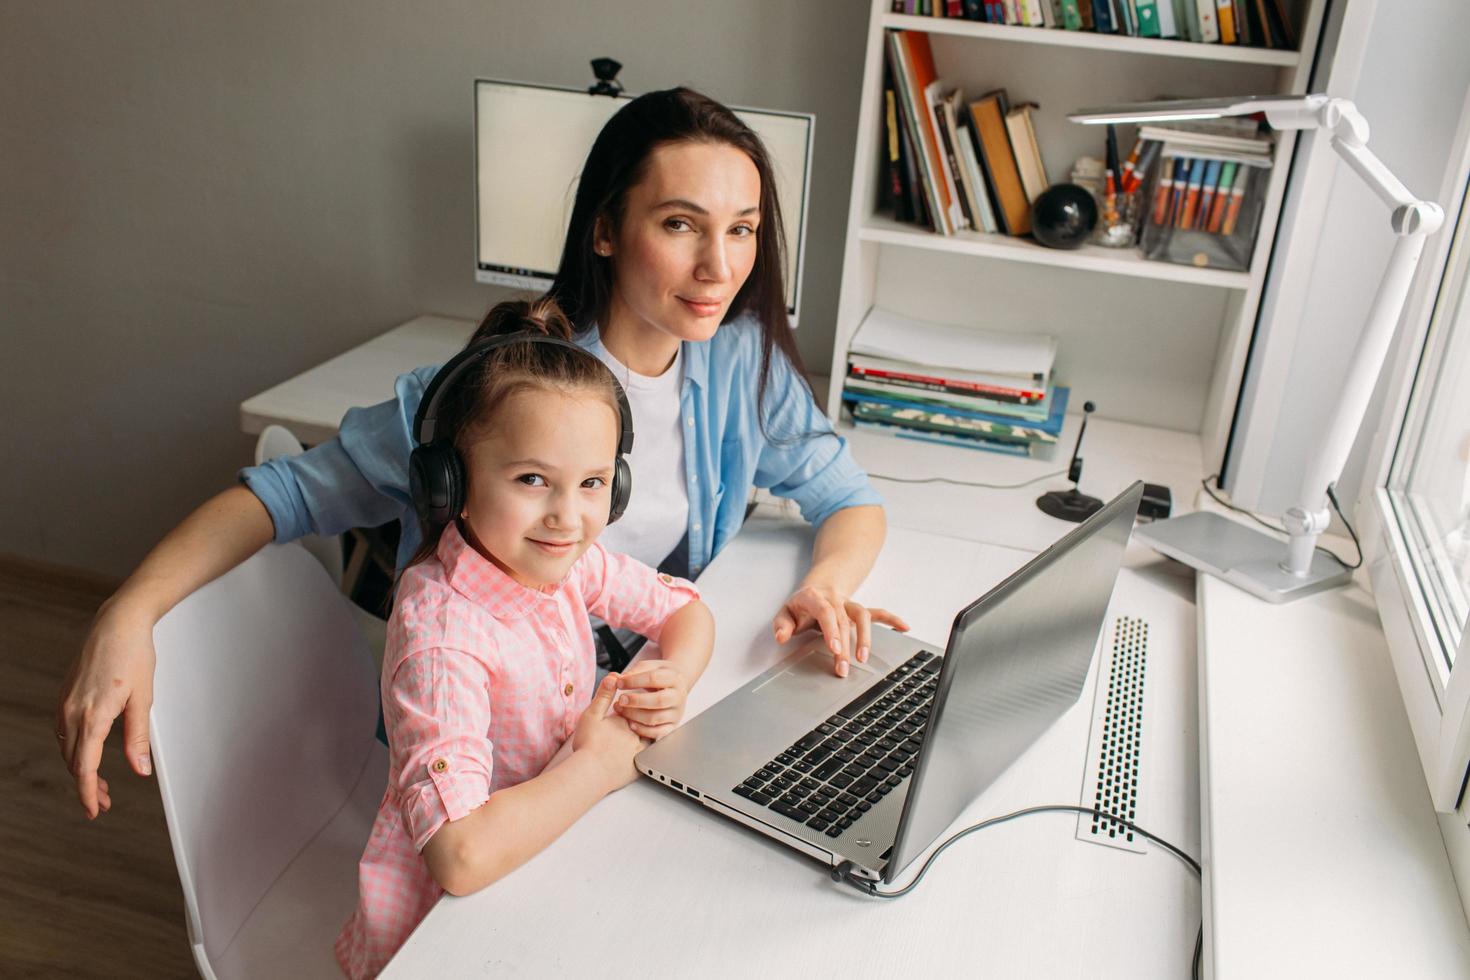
{"x": 312, "y": 404}
{"x": 1045, "y": 906}
{"x": 650, "y": 883}
{"x": 1324, "y": 854}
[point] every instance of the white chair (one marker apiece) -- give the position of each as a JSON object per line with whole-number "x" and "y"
{"x": 263, "y": 730}
{"x": 277, "y": 440}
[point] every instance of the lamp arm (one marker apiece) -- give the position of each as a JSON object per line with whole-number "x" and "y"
{"x": 1412, "y": 220}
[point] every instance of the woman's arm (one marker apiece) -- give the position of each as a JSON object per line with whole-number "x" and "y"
{"x": 114, "y": 673}
{"x": 520, "y": 821}
{"x": 847, "y": 544}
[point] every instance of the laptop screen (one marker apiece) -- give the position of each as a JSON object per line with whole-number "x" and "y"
{"x": 1016, "y": 661}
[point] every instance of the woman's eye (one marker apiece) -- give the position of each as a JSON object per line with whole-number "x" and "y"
{"x": 742, "y": 231}
{"x": 593, "y": 483}
{"x": 532, "y": 479}
{"x": 677, "y": 224}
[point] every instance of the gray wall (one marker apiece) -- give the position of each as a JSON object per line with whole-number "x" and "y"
{"x": 199, "y": 200}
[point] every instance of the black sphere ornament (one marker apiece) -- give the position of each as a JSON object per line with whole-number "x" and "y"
{"x": 1063, "y": 215}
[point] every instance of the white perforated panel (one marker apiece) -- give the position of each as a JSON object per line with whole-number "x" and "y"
{"x": 1114, "y": 753}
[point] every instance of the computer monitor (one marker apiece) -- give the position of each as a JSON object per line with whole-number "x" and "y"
{"x": 530, "y": 143}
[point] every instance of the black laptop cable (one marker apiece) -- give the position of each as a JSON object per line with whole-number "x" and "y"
{"x": 843, "y": 871}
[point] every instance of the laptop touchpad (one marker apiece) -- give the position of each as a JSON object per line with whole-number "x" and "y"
{"x": 809, "y": 681}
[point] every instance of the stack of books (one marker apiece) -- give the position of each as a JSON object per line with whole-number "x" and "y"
{"x": 960, "y": 386}
{"x": 1259, "y": 23}
{"x": 954, "y": 164}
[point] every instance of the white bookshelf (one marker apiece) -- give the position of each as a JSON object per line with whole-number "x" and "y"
{"x": 1151, "y": 343}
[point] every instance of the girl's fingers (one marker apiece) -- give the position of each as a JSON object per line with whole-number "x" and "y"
{"x": 651, "y": 674}
{"x": 665, "y": 697}
{"x": 652, "y": 732}
{"x": 783, "y": 625}
{"x": 644, "y": 716}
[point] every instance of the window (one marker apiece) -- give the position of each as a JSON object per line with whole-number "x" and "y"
{"x": 1428, "y": 487}
{"x": 1417, "y": 531}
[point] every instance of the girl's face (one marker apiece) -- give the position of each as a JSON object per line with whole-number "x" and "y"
{"x": 687, "y": 241}
{"x": 540, "y": 483}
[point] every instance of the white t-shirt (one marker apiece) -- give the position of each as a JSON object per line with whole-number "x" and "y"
{"x": 657, "y": 517}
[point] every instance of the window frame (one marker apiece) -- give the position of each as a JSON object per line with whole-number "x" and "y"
{"x": 1436, "y": 694}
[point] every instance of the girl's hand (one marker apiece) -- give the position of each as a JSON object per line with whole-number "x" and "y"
{"x": 657, "y": 708}
{"x": 112, "y": 676}
{"x": 608, "y": 737}
{"x": 824, "y": 608}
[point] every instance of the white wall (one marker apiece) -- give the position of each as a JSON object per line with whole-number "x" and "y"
{"x": 199, "y": 200}
{"x": 1410, "y": 87}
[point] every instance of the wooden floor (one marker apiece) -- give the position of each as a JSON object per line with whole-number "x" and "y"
{"x": 77, "y": 898}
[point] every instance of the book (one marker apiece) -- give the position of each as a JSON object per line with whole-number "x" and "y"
{"x": 1022, "y": 131}
{"x": 944, "y": 439}
{"x": 964, "y": 420}
{"x": 996, "y": 387}
{"x": 975, "y": 179}
{"x": 962, "y": 217}
{"x": 1148, "y": 17}
{"x": 893, "y": 186}
{"x": 1236, "y": 135}
{"x": 891, "y": 336}
{"x": 939, "y": 397}
{"x": 1225, "y": 19}
{"x": 988, "y": 115}
{"x": 1209, "y": 27}
{"x": 1102, "y": 17}
{"x": 914, "y": 70}
{"x": 1072, "y": 14}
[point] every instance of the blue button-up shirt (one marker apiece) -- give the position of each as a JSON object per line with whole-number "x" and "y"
{"x": 360, "y": 478}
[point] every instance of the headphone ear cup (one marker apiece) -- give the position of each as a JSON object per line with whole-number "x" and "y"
{"x": 622, "y": 489}
{"x": 436, "y": 483}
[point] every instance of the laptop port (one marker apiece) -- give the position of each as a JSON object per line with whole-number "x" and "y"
{"x": 692, "y": 792}
{"x": 676, "y": 784}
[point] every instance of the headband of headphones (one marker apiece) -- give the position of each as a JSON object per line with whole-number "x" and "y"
{"x": 425, "y": 420}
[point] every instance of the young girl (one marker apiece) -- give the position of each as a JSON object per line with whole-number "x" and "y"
{"x": 490, "y": 667}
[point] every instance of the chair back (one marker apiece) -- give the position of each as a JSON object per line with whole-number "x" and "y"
{"x": 277, "y": 440}
{"x": 264, "y": 711}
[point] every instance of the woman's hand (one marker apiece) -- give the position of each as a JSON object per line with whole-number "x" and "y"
{"x": 608, "y": 737}
{"x": 112, "y": 676}
{"x": 656, "y": 704}
{"x": 824, "y": 608}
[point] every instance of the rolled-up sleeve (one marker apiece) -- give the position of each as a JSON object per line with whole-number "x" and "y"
{"x": 803, "y": 459}
{"x": 357, "y": 479}
{"x": 438, "y": 709}
{"x": 629, "y": 595}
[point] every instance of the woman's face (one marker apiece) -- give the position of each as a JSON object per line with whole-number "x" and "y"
{"x": 687, "y": 241}
{"x": 540, "y": 483}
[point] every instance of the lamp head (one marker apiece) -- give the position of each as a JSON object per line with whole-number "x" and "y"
{"x": 1281, "y": 111}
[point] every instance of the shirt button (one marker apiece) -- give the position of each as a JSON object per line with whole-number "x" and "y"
{"x": 689, "y": 420}
{"x": 567, "y": 690}
{"x": 440, "y": 765}
{"x": 696, "y": 527}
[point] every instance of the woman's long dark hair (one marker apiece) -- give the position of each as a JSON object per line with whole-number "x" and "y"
{"x": 617, "y": 161}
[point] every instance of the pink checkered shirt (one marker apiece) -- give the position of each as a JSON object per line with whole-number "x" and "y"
{"x": 483, "y": 680}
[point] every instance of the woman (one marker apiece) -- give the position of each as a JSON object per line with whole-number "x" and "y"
{"x": 672, "y": 273}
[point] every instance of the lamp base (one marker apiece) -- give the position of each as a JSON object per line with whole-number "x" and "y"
{"x": 1069, "y": 505}
{"x": 1242, "y": 556}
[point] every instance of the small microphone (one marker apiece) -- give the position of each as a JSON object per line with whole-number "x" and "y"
{"x": 1072, "y": 505}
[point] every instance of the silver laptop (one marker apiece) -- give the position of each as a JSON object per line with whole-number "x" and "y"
{"x": 873, "y": 767}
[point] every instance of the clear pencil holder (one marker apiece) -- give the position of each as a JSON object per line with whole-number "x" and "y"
{"x": 1200, "y": 223}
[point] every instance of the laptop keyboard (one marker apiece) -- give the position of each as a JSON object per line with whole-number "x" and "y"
{"x": 832, "y": 775}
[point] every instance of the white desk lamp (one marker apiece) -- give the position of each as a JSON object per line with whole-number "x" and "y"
{"x": 1242, "y": 556}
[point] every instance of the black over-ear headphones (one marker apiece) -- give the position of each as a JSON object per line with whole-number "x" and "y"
{"x": 436, "y": 477}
